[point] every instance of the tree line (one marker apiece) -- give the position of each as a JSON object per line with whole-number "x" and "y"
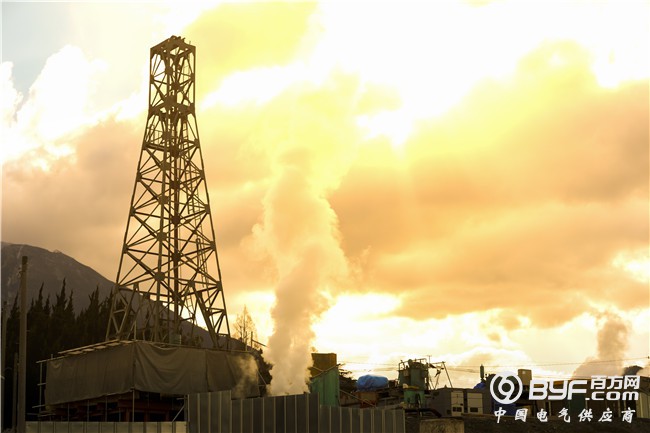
{"x": 52, "y": 326}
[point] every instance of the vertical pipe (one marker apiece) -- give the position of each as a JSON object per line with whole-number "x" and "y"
{"x": 22, "y": 362}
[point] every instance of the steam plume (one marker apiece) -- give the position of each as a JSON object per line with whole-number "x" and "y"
{"x": 612, "y": 343}
{"x": 300, "y": 233}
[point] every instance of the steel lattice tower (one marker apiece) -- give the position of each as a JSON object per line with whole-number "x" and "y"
{"x": 169, "y": 270}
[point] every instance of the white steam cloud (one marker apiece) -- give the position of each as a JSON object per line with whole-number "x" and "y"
{"x": 612, "y": 344}
{"x": 299, "y": 232}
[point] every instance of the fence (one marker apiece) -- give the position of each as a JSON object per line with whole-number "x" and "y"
{"x": 216, "y": 413}
{"x": 105, "y": 427}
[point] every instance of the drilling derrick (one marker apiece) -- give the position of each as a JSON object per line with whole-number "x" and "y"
{"x": 169, "y": 281}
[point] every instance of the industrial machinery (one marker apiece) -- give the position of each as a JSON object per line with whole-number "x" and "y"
{"x": 415, "y": 380}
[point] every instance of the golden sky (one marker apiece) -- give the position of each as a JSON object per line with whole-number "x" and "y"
{"x": 466, "y": 180}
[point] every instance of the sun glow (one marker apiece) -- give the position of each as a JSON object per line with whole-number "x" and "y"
{"x": 434, "y": 53}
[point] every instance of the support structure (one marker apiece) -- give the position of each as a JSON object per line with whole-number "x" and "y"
{"x": 169, "y": 280}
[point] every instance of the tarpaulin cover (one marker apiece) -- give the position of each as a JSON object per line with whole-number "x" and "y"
{"x": 236, "y": 372}
{"x": 93, "y": 374}
{"x": 369, "y": 382}
{"x": 146, "y": 367}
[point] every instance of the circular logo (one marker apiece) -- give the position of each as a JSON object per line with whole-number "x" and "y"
{"x": 508, "y": 387}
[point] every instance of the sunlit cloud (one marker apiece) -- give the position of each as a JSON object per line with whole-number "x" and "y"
{"x": 396, "y": 125}
{"x": 434, "y": 53}
{"x": 481, "y": 167}
{"x": 58, "y": 105}
{"x": 636, "y": 264}
{"x": 258, "y": 86}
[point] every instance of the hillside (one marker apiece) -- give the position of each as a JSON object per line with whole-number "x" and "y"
{"x": 49, "y": 268}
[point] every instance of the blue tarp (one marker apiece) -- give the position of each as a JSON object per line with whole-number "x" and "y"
{"x": 369, "y": 382}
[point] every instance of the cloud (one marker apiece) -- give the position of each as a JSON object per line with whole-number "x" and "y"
{"x": 73, "y": 166}
{"x": 57, "y": 106}
{"x": 65, "y": 163}
{"x": 10, "y": 96}
{"x": 239, "y": 36}
{"x": 519, "y": 198}
{"x": 518, "y": 209}
{"x": 77, "y": 201}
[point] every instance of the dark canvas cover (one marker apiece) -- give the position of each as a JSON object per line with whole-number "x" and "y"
{"x": 145, "y": 366}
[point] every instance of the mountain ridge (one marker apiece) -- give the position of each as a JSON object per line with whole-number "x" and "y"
{"x": 49, "y": 269}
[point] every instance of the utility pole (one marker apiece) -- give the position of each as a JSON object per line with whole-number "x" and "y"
{"x": 22, "y": 351}
{"x": 14, "y": 394}
{"x": 5, "y": 315}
